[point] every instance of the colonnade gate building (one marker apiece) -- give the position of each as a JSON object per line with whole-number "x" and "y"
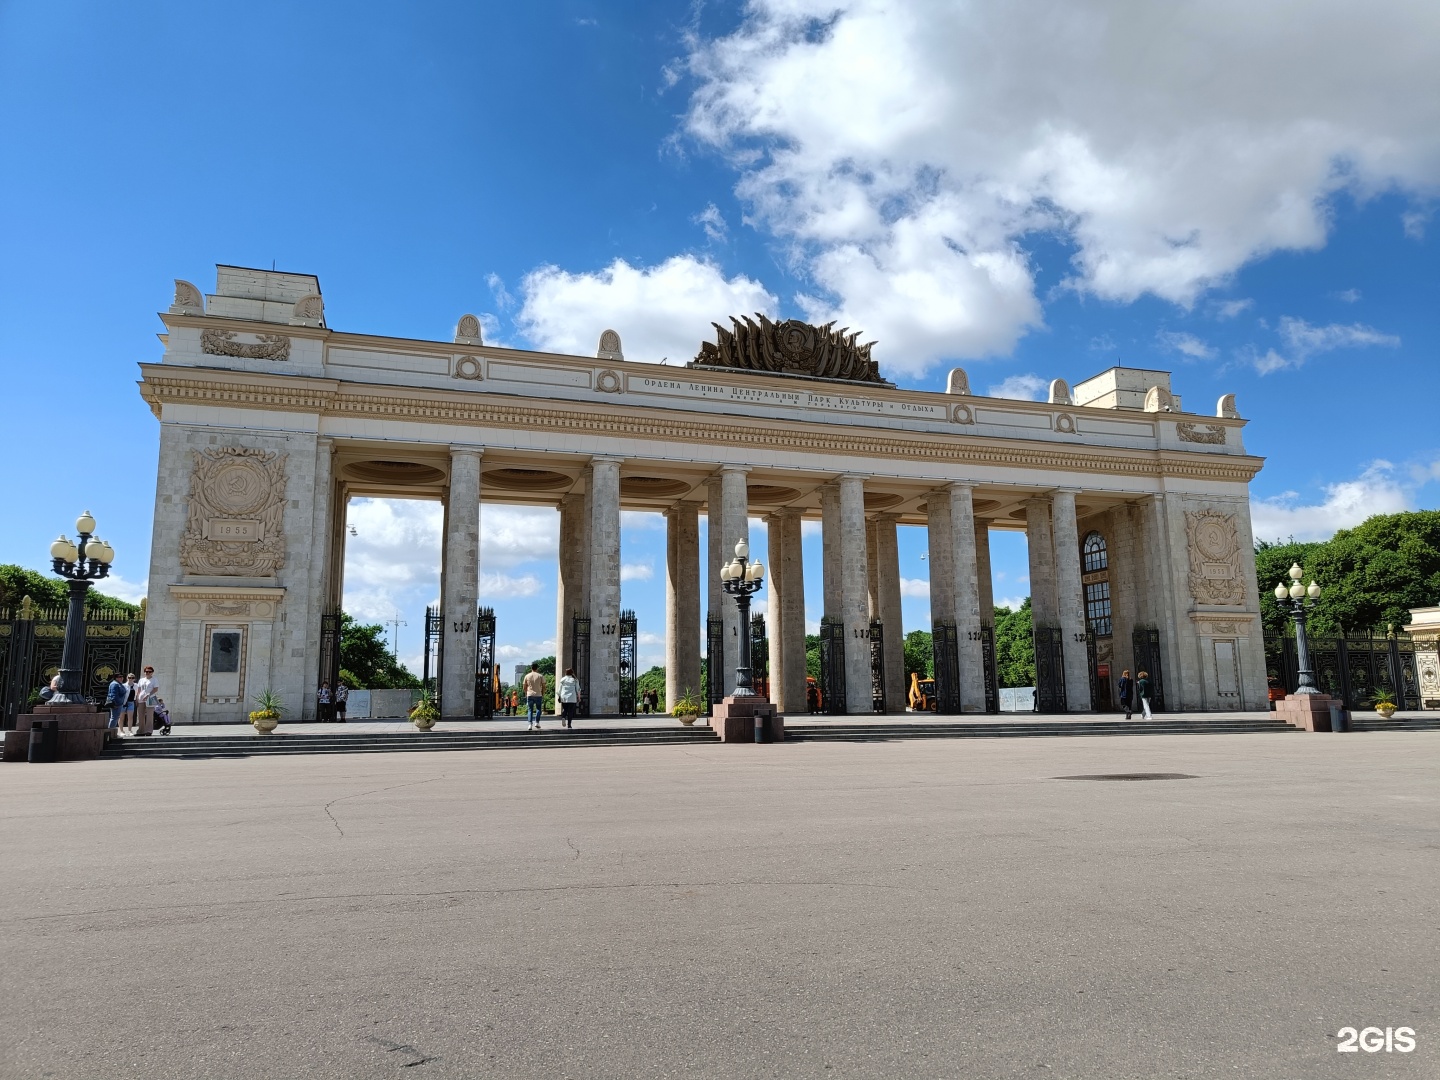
{"x": 1136, "y": 511}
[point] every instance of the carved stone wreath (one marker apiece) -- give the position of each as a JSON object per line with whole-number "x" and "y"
{"x": 468, "y": 367}
{"x": 1214, "y": 545}
{"x": 1201, "y": 433}
{"x": 608, "y": 382}
{"x": 223, "y": 343}
{"x": 1065, "y": 424}
{"x": 962, "y": 414}
{"x": 235, "y": 483}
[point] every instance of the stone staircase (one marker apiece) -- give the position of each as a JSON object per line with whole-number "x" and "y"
{"x": 336, "y": 742}
{"x": 1371, "y": 721}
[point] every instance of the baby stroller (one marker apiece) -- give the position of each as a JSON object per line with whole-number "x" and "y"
{"x": 162, "y": 716}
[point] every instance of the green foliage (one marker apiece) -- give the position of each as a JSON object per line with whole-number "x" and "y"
{"x": 1015, "y": 646}
{"x": 689, "y": 703}
{"x": 1370, "y": 575}
{"x": 425, "y": 710}
{"x": 18, "y": 582}
{"x": 919, "y": 655}
{"x": 270, "y": 705}
{"x": 547, "y": 700}
{"x": 654, "y": 679}
{"x": 812, "y": 656}
{"x": 547, "y": 666}
{"x": 365, "y": 659}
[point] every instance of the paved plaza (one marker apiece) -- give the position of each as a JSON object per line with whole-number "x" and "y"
{"x": 943, "y": 908}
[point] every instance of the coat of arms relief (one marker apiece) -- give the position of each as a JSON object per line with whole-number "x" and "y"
{"x": 1214, "y": 544}
{"x": 235, "y": 524}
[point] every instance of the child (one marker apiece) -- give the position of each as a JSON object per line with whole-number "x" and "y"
{"x": 162, "y": 716}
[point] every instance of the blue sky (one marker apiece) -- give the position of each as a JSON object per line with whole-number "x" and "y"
{"x": 1243, "y": 197}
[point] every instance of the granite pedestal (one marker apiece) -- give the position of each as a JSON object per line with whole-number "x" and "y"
{"x": 734, "y": 719}
{"x": 82, "y": 732}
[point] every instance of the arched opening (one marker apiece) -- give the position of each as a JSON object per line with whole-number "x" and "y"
{"x": 1095, "y": 568}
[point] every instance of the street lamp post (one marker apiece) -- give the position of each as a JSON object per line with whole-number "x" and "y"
{"x": 1298, "y": 598}
{"x": 80, "y": 564}
{"x": 742, "y": 579}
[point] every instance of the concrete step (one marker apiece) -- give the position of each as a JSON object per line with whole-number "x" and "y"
{"x": 382, "y": 742}
{"x": 1033, "y": 729}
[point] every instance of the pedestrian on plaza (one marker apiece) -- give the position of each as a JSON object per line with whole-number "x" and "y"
{"x": 322, "y": 700}
{"x": 514, "y": 700}
{"x": 162, "y": 716}
{"x": 812, "y": 698}
{"x": 1142, "y": 688}
{"x": 342, "y": 695}
{"x": 534, "y": 695}
{"x": 127, "y": 715}
{"x": 147, "y": 693}
{"x": 50, "y": 689}
{"x": 567, "y": 692}
{"x": 115, "y": 695}
{"x": 1126, "y": 687}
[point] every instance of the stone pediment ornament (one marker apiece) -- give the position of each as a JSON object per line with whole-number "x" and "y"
{"x": 188, "y": 299}
{"x": 1225, "y": 408}
{"x": 467, "y": 331}
{"x": 1214, "y": 548}
{"x": 791, "y": 347}
{"x": 1158, "y": 399}
{"x": 1201, "y": 433}
{"x": 1059, "y": 392}
{"x": 235, "y": 492}
{"x": 958, "y": 383}
{"x": 265, "y": 347}
{"x": 609, "y": 347}
{"x": 308, "y": 311}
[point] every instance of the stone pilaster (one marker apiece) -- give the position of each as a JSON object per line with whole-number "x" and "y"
{"x": 324, "y": 590}
{"x": 967, "y": 599}
{"x": 855, "y": 603}
{"x": 940, "y": 531}
{"x": 775, "y": 603}
{"x": 792, "y": 614}
{"x": 715, "y": 554}
{"x": 568, "y": 596}
{"x": 887, "y": 563}
{"x": 604, "y": 551}
{"x": 872, "y": 563}
{"x": 460, "y": 583}
{"x": 983, "y": 574}
{"x": 1070, "y": 599}
{"x": 735, "y": 526}
{"x": 682, "y": 601}
{"x": 1041, "y": 542}
{"x": 830, "y": 551}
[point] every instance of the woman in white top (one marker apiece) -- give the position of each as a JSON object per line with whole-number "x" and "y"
{"x": 147, "y": 691}
{"x": 567, "y": 692}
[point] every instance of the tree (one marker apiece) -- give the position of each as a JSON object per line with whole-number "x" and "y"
{"x": 18, "y": 582}
{"x": 919, "y": 655}
{"x": 366, "y": 661}
{"x": 812, "y": 656}
{"x": 1015, "y": 646}
{"x": 654, "y": 679}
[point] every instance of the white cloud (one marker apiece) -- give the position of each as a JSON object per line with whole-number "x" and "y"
{"x": 495, "y": 586}
{"x": 1185, "y": 344}
{"x": 637, "y": 571}
{"x": 123, "y": 588}
{"x": 1022, "y": 387}
{"x": 1228, "y": 309}
{"x": 510, "y": 535}
{"x": 906, "y": 149}
{"x": 1348, "y": 296}
{"x": 1011, "y": 602}
{"x": 713, "y": 222}
{"x": 1377, "y": 490}
{"x": 918, "y": 588}
{"x": 1302, "y": 341}
{"x": 659, "y": 312}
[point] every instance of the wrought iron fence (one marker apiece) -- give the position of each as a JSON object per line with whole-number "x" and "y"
{"x": 1352, "y": 667}
{"x": 987, "y": 658}
{"x": 1146, "y": 643}
{"x": 32, "y": 642}
{"x": 877, "y": 666}
{"x": 485, "y": 682}
{"x": 945, "y": 651}
{"x": 714, "y": 662}
{"x": 1049, "y": 670}
{"x": 629, "y": 661}
{"x": 832, "y": 667}
{"x": 580, "y": 659}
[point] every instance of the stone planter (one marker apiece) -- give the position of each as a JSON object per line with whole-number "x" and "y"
{"x": 265, "y": 724}
{"x": 423, "y": 723}
{"x": 1385, "y": 711}
{"x": 688, "y": 719}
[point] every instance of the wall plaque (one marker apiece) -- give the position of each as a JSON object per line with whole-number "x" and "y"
{"x": 234, "y": 529}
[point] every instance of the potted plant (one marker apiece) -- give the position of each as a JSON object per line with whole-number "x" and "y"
{"x": 1384, "y": 702}
{"x": 425, "y": 712}
{"x": 267, "y": 716}
{"x": 687, "y": 707}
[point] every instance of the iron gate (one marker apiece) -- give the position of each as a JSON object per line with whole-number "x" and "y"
{"x": 1146, "y": 641}
{"x": 580, "y": 659}
{"x": 629, "y": 659}
{"x": 987, "y": 657}
{"x": 945, "y": 650}
{"x": 1049, "y": 670}
{"x": 759, "y": 657}
{"x": 877, "y": 666}
{"x": 832, "y": 667}
{"x": 434, "y": 636}
{"x": 1092, "y": 668}
{"x": 714, "y": 662}
{"x": 32, "y": 642}
{"x": 1353, "y": 667}
{"x": 330, "y": 641}
{"x": 486, "y": 684}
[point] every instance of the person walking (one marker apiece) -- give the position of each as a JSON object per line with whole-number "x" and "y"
{"x": 342, "y": 695}
{"x": 514, "y": 700}
{"x": 534, "y": 695}
{"x": 1142, "y": 688}
{"x": 1126, "y": 687}
{"x": 567, "y": 692}
{"x": 147, "y": 693}
{"x": 127, "y": 714}
{"x": 322, "y": 702}
{"x": 115, "y": 695}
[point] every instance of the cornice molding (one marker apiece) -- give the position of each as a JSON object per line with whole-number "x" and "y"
{"x": 162, "y": 384}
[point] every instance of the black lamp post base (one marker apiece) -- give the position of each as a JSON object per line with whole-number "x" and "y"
{"x": 735, "y": 719}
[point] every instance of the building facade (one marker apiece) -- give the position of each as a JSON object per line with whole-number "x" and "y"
{"x": 1136, "y": 512}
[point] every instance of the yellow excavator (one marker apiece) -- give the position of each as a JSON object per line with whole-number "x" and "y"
{"x": 922, "y": 693}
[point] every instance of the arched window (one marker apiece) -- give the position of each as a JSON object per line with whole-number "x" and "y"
{"x": 1096, "y": 563}
{"x": 1093, "y": 553}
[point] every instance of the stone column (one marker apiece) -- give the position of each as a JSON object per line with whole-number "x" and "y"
{"x": 830, "y": 551}
{"x": 604, "y": 552}
{"x": 941, "y": 535}
{"x": 715, "y": 556}
{"x": 775, "y": 600}
{"x": 1070, "y": 599}
{"x": 887, "y": 560}
{"x": 682, "y": 601}
{"x": 735, "y": 526}
{"x": 568, "y": 596}
{"x": 872, "y": 563}
{"x": 1041, "y": 542}
{"x": 983, "y": 573}
{"x": 791, "y": 626}
{"x": 460, "y": 583}
{"x": 967, "y": 599}
{"x": 854, "y": 588}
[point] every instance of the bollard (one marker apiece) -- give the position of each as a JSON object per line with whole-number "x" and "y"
{"x": 44, "y": 741}
{"x": 1337, "y": 717}
{"x": 762, "y": 728}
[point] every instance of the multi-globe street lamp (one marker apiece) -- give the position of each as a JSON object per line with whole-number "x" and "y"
{"x": 742, "y": 579}
{"x": 1298, "y": 598}
{"x": 81, "y": 564}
